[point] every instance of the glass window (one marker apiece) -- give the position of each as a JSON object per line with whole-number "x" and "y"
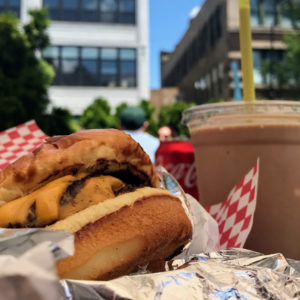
{"x": 127, "y": 54}
{"x": 128, "y": 73}
{"x": 109, "y": 53}
{"x": 257, "y": 64}
{"x": 128, "y": 67}
{"x": 126, "y": 18}
{"x": 89, "y": 73}
{"x": 285, "y": 18}
{"x": 51, "y": 3}
{"x": 127, "y": 11}
{"x": 218, "y": 16}
{"x": 269, "y": 13}
{"x": 53, "y": 8}
{"x": 51, "y": 52}
{"x": 89, "y": 65}
{"x": 70, "y": 52}
{"x": 12, "y": 6}
{"x": 109, "y": 67}
{"x": 51, "y": 55}
{"x": 108, "y": 10}
{"x": 109, "y": 73}
{"x": 127, "y": 5}
{"x": 260, "y": 57}
{"x": 70, "y": 66}
{"x": 255, "y": 20}
{"x": 89, "y": 53}
{"x": 108, "y": 5}
{"x": 70, "y": 4}
{"x": 89, "y": 4}
{"x": 70, "y": 11}
{"x": 2, "y": 5}
{"x": 89, "y": 10}
{"x": 14, "y": 3}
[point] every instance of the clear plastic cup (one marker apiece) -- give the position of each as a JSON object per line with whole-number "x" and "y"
{"x": 228, "y": 138}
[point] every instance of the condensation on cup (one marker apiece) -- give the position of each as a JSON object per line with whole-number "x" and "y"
{"x": 228, "y": 138}
{"x": 178, "y": 159}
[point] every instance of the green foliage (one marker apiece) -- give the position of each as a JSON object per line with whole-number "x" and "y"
{"x": 119, "y": 109}
{"x": 36, "y": 30}
{"x": 171, "y": 115}
{"x": 152, "y": 127}
{"x": 214, "y": 100}
{"x": 149, "y": 109}
{"x": 74, "y": 125}
{"x": 286, "y": 73}
{"x": 98, "y": 115}
{"x": 57, "y": 123}
{"x": 293, "y": 9}
{"x": 25, "y": 78}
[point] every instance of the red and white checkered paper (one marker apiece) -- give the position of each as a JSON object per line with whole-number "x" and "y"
{"x": 18, "y": 141}
{"x": 235, "y": 214}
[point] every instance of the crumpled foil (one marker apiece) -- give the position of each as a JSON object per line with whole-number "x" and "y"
{"x": 27, "y": 267}
{"x": 27, "y": 263}
{"x": 205, "y": 229}
{"x": 227, "y": 274}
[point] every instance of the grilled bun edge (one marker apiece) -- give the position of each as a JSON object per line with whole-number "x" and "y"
{"x": 84, "y": 151}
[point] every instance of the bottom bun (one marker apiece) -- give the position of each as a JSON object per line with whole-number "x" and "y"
{"x": 123, "y": 234}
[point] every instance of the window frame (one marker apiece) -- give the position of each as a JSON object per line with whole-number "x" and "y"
{"x": 118, "y": 16}
{"x": 7, "y": 8}
{"x": 59, "y": 79}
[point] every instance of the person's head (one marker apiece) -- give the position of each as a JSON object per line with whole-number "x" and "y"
{"x": 132, "y": 118}
{"x": 165, "y": 134}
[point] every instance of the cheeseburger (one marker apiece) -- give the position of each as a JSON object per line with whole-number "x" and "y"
{"x": 101, "y": 186}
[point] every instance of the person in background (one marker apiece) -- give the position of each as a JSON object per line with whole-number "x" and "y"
{"x": 133, "y": 122}
{"x": 165, "y": 133}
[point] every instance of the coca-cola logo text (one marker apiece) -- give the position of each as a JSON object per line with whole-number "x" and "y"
{"x": 184, "y": 172}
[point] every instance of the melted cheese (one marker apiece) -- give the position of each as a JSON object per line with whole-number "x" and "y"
{"x": 46, "y": 200}
{"x": 95, "y": 190}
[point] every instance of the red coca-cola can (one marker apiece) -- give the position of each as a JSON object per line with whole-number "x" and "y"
{"x": 178, "y": 159}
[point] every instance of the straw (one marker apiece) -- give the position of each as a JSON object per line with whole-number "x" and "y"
{"x": 246, "y": 50}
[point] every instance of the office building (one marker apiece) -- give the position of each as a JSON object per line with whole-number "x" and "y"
{"x": 206, "y": 63}
{"x": 99, "y": 48}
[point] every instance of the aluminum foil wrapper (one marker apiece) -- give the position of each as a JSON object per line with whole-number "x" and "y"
{"x": 27, "y": 263}
{"x": 205, "y": 229}
{"x": 227, "y": 274}
{"x": 200, "y": 271}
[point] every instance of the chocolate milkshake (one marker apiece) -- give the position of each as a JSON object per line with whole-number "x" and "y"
{"x": 228, "y": 138}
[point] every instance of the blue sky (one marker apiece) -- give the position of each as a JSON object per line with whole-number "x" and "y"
{"x": 169, "y": 20}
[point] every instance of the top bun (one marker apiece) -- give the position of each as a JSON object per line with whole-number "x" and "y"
{"x": 104, "y": 151}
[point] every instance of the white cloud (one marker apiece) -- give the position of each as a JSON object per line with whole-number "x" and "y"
{"x": 194, "y": 12}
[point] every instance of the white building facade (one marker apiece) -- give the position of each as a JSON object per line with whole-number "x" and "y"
{"x": 99, "y": 48}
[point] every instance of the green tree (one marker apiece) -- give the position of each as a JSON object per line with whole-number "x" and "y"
{"x": 286, "y": 73}
{"x": 118, "y": 111}
{"x": 24, "y": 77}
{"x": 98, "y": 115}
{"x": 149, "y": 109}
{"x": 170, "y": 115}
{"x": 58, "y": 122}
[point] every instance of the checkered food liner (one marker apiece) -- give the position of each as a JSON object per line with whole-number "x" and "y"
{"x": 235, "y": 214}
{"x": 18, "y": 141}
